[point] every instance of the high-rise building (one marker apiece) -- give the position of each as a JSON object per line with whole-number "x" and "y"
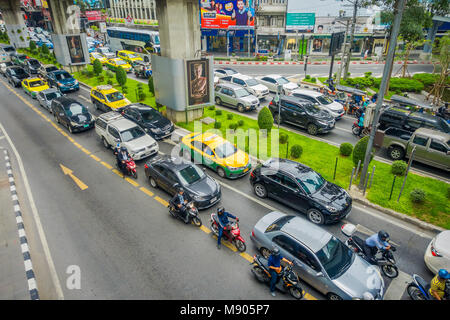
{"x": 133, "y": 9}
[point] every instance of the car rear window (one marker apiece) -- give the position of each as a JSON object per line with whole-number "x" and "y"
{"x": 278, "y": 224}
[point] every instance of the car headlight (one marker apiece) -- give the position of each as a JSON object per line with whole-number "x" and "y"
{"x": 331, "y": 209}
{"x": 138, "y": 150}
{"x": 155, "y": 130}
{"x": 368, "y": 296}
{"x": 73, "y": 124}
{"x": 76, "y": 81}
{"x": 322, "y": 123}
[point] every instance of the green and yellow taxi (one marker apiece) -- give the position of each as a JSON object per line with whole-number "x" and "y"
{"x": 113, "y": 64}
{"x": 216, "y": 153}
{"x": 98, "y": 56}
{"x": 106, "y": 98}
{"x": 33, "y": 86}
{"x": 129, "y": 56}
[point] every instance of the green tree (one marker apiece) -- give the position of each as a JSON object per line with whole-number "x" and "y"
{"x": 440, "y": 85}
{"x": 151, "y": 87}
{"x": 121, "y": 77}
{"x": 359, "y": 151}
{"x": 32, "y": 46}
{"x": 265, "y": 119}
{"x": 98, "y": 68}
{"x": 44, "y": 49}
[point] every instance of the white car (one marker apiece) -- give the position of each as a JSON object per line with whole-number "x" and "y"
{"x": 254, "y": 87}
{"x": 437, "y": 255}
{"x": 274, "y": 80}
{"x": 334, "y": 108}
{"x": 223, "y": 72}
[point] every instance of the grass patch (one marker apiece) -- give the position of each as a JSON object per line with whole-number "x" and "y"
{"x": 321, "y": 157}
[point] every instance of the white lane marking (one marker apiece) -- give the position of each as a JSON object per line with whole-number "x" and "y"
{"x": 84, "y": 98}
{"x": 397, "y": 286}
{"x": 37, "y": 219}
{"x": 2, "y": 137}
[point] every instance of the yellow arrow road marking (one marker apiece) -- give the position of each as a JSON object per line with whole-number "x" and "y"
{"x": 69, "y": 172}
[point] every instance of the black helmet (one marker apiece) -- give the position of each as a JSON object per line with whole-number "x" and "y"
{"x": 383, "y": 235}
{"x": 276, "y": 251}
{"x": 220, "y": 210}
{"x": 180, "y": 189}
{"x": 122, "y": 148}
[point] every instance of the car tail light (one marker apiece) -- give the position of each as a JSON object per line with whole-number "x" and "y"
{"x": 253, "y": 233}
{"x": 434, "y": 252}
{"x": 27, "y": 57}
{"x": 271, "y": 103}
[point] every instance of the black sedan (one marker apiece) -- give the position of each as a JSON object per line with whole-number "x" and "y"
{"x": 15, "y": 75}
{"x": 32, "y": 66}
{"x": 153, "y": 122}
{"x": 72, "y": 114}
{"x": 170, "y": 173}
{"x": 301, "y": 188}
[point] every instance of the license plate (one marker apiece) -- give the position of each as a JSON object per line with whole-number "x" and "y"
{"x": 86, "y": 125}
{"x": 213, "y": 199}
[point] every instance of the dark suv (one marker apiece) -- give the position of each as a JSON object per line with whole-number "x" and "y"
{"x": 302, "y": 113}
{"x": 411, "y": 121}
{"x": 301, "y": 188}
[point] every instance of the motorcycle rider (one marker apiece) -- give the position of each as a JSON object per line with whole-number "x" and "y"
{"x": 181, "y": 200}
{"x": 377, "y": 241}
{"x": 437, "y": 288}
{"x": 122, "y": 157}
{"x": 274, "y": 264}
{"x": 361, "y": 124}
{"x": 223, "y": 216}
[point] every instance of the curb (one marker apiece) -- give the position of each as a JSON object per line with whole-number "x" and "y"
{"x": 32, "y": 286}
{"x": 314, "y": 62}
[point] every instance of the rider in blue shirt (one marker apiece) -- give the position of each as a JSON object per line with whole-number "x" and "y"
{"x": 274, "y": 264}
{"x": 377, "y": 241}
{"x": 223, "y": 216}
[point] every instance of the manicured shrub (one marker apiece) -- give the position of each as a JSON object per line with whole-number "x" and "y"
{"x": 151, "y": 87}
{"x": 307, "y": 76}
{"x": 211, "y": 107}
{"x": 44, "y": 49}
{"x": 314, "y": 80}
{"x": 296, "y": 151}
{"x": 368, "y": 74}
{"x": 218, "y": 112}
{"x": 399, "y": 168}
{"x": 98, "y": 68}
{"x": 265, "y": 119}
{"x": 217, "y": 125}
{"x": 121, "y": 77}
{"x": 32, "y": 46}
{"x": 283, "y": 138}
{"x": 417, "y": 195}
{"x": 232, "y": 126}
{"x": 346, "y": 149}
{"x": 230, "y": 116}
{"x": 101, "y": 79}
{"x": 240, "y": 123}
{"x": 360, "y": 151}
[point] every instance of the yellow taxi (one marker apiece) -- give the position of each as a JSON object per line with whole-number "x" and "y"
{"x": 216, "y": 153}
{"x": 97, "y": 55}
{"x": 115, "y": 63}
{"x": 34, "y": 85}
{"x": 106, "y": 98}
{"x": 129, "y": 56}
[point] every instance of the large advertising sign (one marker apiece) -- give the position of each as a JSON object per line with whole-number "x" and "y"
{"x": 75, "y": 49}
{"x": 198, "y": 81}
{"x": 227, "y": 14}
{"x": 300, "y": 21}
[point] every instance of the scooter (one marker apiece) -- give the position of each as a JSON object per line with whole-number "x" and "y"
{"x": 356, "y": 129}
{"x": 418, "y": 289}
{"x": 130, "y": 168}
{"x": 192, "y": 212}
{"x": 386, "y": 261}
{"x": 232, "y": 233}
{"x": 287, "y": 281}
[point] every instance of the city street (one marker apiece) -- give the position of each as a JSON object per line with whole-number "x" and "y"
{"x": 119, "y": 233}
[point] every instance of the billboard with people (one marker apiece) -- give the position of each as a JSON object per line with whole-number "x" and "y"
{"x": 198, "y": 81}
{"x": 227, "y": 14}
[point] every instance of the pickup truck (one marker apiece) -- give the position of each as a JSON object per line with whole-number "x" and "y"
{"x": 432, "y": 147}
{"x": 113, "y": 129}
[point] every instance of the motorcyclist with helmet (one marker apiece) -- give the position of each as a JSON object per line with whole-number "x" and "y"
{"x": 274, "y": 264}
{"x": 377, "y": 241}
{"x": 181, "y": 200}
{"x": 223, "y": 216}
{"x": 437, "y": 286}
{"x": 122, "y": 157}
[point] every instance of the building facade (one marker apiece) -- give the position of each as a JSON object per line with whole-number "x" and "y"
{"x": 271, "y": 26}
{"x": 136, "y": 9}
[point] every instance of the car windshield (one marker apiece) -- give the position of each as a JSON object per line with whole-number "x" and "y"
{"x": 282, "y": 80}
{"x": 50, "y": 69}
{"x": 120, "y": 62}
{"x": 97, "y": 56}
{"x": 9, "y": 49}
{"x": 132, "y": 56}
{"x": 52, "y": 95}
{"x": 75, "y": 109}
{"x": 34, "y": 63}
{"x": 230, "y": 72}
{"x": 37, "y": 83}
{"x": 21, "y": 57}
{"x": 115, "y": 96}
{"x": 190, "y": 175}
{"x": 241, "y": 93}
{"x": 251, "y": 82}
{"x": 149, "y": 115}
{"x": 8, "y": 64}
{"x": 18, "y": 71}
{"x": 311, "y": 181}
{"x": 312, "y": 109}
{"x": 225, "y": 150}
{"x": 335, "y": 257}
{"x": 132, "y": 134}
{"x": 63, "y": 76}
{"x": 324, "y": 100}
{"x": 444, "y": 125}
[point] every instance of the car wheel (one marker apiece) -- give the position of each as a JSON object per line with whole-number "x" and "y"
{"x": 265, "y": 252}
{"x": 312, "y": 129}
{"x": 105, "y": 143}
{"x": 260, "y": 190}
{"x": 333, "y": 296}
{"x": 221, "y": 172}
{"x": 396, "y": 153}
{"x": 218, "y": 101}
{"x": 153, "y": 182}
{"x": 315, "y": 216}
{"x": 240, "y": 108}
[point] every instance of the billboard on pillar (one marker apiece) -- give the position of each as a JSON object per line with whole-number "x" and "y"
{"x": 197, "y": 72}
{"x": 227, "y": 14}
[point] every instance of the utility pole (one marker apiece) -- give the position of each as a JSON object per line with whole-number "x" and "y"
{"x": 338, "y": 77}
{"x": 352, "y": 34}
{"x": 399, "y": 7}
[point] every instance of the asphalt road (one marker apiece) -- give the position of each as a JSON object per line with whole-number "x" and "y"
{"x": 121, "y": 236}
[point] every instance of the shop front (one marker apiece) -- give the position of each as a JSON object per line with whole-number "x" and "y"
{"x": 236, "y": 41}
{"x": 271, "y": 44}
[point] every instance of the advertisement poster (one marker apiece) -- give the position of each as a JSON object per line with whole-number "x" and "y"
{"x": 75, "y": 49}
{"x": 317, "y": 45}
{"x": 227, "y": 14}
{"x": 198, "y": 82}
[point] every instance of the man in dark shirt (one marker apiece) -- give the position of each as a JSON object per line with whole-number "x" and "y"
{"x": 275, "y": 268}
{"x": 243, "y": 15}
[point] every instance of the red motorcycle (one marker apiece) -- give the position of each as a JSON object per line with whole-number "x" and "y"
{"x": 131, "y": 168}
{"x": 231, "y": 232}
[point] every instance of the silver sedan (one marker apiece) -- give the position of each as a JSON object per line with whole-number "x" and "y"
{"x": 45, "y": 97}
{"x": 323, "y": 261}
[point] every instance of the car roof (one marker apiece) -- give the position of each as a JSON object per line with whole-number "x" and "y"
{"x": 286, "y": 165}
{"x": 33, "y": 79}
{"x": 140, "y": 106}
{"x": 50, "y": 90}
{"x": 229, "y": 85}
{"x": 424, "y": 116}
{"x": 437, "y": 135}
{"x": 209, "y": 138}
{"x": 275, "y": 76}
{"x": 124, "y": 124}
{"x": 307, "y": 92}
{"x": 66, "y": 100}
{"x": 105, "y": 88}
{"x": 175, "y": 163}
{"x": 242, "y": 76}
{"x": 294, "y": 99}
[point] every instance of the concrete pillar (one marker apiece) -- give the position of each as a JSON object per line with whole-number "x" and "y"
{"x": 14, "y": 23}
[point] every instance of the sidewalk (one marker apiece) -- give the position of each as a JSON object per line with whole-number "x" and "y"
{"x": 15, "y": 281}
{"x": 312, "y": 63}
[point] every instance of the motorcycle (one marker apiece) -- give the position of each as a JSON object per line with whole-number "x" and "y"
{"x": 288, "y": 280}
{"x": 232, "y": 233}
{"x": 386, "y": 261}
{"x": 192, "y": 212}
{"x": 130, "y": 168}
{"x": 356, "y": 129}
{"x": 418, "y": 289}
